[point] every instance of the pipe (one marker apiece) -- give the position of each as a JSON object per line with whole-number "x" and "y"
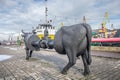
{"x": 105, "y": 39}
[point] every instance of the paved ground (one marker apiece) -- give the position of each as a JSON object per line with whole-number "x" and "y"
{"x": 46, "y": 65}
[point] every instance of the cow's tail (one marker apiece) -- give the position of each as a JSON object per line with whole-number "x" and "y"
{"x": 88, "y": 35}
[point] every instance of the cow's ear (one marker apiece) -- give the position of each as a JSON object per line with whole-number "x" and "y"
{"x": 22, "y": 31}
{"x": 23, "y": 35}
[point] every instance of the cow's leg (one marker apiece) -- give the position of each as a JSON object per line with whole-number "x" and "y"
{"x": 72, "y": 60}
{"x": 31, "y": 53}
{"x": 27, "y": 54}
{"x": 86, "y": 67}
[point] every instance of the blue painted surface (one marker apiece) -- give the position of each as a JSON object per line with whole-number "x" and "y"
{"x": 4, "y": 57}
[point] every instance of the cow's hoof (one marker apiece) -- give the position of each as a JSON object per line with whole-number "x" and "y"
{"x": 86, "y": 73}
{"x": 27, "y": 58}
{"x": 63, "y": 72}
{"x": 78, "y": 57}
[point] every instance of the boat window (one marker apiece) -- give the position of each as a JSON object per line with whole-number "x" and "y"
{"x": 53, "y": 27}
{"x": 37, "y": 27}
{"x": 40, "y": 27}
{"x": 43, "y": 27}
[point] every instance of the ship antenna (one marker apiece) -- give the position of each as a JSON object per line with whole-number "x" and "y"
{"x": 46, "y": 9}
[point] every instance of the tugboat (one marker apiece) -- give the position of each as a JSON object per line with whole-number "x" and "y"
{"x": 45, "y": 28}
{"x": 40, "y": 30}
{"x": 45, "y": 32}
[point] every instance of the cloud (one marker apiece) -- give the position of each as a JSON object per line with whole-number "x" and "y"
{"x": 25, "y": 14}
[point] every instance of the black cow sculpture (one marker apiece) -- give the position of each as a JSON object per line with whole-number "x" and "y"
{"x": 29, "y": 39}
{"x": 33, "y": 43}
{"x": 74, "y": 41}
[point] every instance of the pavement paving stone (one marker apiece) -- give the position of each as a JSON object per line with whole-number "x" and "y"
{"x": 46, "y": 65}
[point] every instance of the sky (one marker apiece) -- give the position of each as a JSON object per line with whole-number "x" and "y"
{"x": 16, "y": 15}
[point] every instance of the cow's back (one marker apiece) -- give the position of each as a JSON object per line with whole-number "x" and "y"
{"x": 71, "y": 36}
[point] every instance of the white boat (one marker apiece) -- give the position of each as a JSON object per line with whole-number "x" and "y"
{"x": 40, "y": 30}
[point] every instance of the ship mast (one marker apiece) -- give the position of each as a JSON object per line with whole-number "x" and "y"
{"x": 46, "y": 9}
{"x": 46, "y": 30}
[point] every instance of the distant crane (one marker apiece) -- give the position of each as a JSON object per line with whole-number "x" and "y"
{"x": 84, "y": 19}
{"x": 104, "y": 30}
